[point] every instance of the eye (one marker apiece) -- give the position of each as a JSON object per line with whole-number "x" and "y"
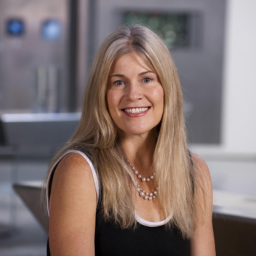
{"x": 118, "y": 82}
{"x": 147, "y": 79}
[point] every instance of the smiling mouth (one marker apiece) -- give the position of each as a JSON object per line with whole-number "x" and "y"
{"x": 135, "y": 110}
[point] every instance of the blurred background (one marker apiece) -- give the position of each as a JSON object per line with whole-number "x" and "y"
{"x": 46, "y": 49}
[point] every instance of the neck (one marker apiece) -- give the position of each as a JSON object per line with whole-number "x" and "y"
{"x": 139, "y": 149}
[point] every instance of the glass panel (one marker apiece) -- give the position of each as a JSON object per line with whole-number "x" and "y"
{"x": 172, "y": 28}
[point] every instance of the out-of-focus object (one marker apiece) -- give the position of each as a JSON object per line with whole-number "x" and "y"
{"x": 30, "y": 192}
{"x": 47, "y": 89}
{"x": 234, "y": 206}
{"x": 15, "y": 27}
{"x": 234, "y": 223}
{"x": 175, "y": 29}
{"x": 51, "y": 30}
{"x": 40, "y": 129}
{"x": 38, "y": 55}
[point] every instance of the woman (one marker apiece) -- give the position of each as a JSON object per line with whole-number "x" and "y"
{"x": 126, "y": 183}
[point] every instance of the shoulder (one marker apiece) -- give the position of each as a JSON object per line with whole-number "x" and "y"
{"x": 72, "y": 163}
{"x": 73, "y": 178}
{"x": 202, "y": 241}
{"x": 199, "y": 161}
{"x": 72, "y": 168}
{"x": 203, "y": 184}
{"x": 72, "y": 208}
{"x": 201, "y": 168}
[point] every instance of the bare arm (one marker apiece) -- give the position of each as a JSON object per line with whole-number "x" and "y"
{"x": 202, "y": 242}
{"x": 72, "y": 206}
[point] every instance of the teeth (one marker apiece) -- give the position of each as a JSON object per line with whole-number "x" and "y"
{"x": 135, "y": 110}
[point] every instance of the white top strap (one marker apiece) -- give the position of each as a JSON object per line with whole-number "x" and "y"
{"x": 96, "y": 181}
{"x": 152, "y": 224}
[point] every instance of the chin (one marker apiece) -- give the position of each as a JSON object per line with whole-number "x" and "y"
{"x": 136, "y": 131}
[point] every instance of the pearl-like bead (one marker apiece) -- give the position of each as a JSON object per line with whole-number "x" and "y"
{"x": 146, "y": 196}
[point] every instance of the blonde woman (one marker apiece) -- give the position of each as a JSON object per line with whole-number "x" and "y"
{"x": 126, "y": 183}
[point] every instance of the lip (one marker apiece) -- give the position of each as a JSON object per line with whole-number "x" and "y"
{"x": 136, "y": 114}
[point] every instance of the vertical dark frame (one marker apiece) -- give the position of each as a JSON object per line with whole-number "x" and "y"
{"x": 91, "y": 31}
{"x": 73, "y": 53}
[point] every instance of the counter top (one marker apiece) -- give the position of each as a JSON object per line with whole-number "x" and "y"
{"x": 236, "y": 206}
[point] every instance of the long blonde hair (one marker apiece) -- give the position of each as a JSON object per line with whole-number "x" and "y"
{"x": 97, "y": 133}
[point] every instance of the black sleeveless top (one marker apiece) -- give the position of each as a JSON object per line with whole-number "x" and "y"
{"x": 111, "y": 239}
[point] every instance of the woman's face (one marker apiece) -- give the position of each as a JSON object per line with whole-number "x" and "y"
{"x": 135, "y": 96}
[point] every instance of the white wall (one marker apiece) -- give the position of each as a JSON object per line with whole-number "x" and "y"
{"x": 239, "y": 84}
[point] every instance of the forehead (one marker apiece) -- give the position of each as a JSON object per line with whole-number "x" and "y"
{"x": 131, "y": 61}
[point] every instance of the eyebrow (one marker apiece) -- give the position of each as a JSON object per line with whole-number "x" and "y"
{"x": 140, "y": 74}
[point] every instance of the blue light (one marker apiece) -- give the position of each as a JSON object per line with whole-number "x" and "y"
{"x": 15, "y": 27}
{"x": 51, "y": 30}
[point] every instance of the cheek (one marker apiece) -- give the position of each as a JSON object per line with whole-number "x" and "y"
{"x": 113, "y": 100}
{"x": 158, "y": 97}
{"x": 110, "y": 99}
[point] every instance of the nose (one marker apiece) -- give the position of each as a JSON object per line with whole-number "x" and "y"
{"x": 134, "y": 92}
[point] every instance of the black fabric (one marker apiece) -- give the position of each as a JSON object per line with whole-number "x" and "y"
{"x": 110, "y": 239}
{"x": 48, "y": 248}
